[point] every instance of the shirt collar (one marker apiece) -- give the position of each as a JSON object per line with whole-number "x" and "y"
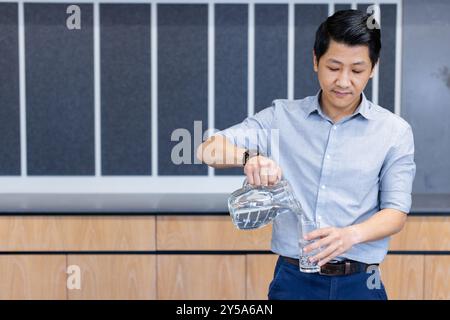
{"x": 364, "y": 108}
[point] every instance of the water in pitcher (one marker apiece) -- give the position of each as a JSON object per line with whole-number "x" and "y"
{"x": 254, "y": 207}
{"x": 251, "y": 218}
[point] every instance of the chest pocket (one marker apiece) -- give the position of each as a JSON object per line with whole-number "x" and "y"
{"x": 359, "y": 164}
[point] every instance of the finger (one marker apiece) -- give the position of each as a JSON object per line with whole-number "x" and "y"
{"x": 279, "y": 174}
{"x": 273, "y": 175}
{"x": 329, "y": 258}
{"x": 322, "y": 243}
{"x": 322, "y": 232}
{"x": 272, "y": 180}
{"x": 256, "y": 179}
{"x": 324, "y": 253}
{"x": 264, "y": 176}
{"x": 249, "y": 174}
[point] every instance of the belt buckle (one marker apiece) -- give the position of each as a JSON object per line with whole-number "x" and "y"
{"x": 329, "y": 272}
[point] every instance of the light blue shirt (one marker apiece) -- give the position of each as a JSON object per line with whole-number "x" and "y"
{"x": 342, "y": 173}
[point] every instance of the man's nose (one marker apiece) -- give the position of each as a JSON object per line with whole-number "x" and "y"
{"x": 343, "y": 80}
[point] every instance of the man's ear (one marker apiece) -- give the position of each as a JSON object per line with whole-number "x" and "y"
{"x": 315, "y": 62}
{"x": 373, "y": 69}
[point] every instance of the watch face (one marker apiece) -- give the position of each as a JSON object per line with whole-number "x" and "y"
{"x": 253, "y": 153}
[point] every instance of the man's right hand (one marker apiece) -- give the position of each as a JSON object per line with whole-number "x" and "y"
{"x": 262, "y": 171}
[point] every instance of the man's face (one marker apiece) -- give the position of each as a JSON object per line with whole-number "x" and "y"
{"x": 343, "y": 72}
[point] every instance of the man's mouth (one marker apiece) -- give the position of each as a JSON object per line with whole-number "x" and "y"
{"x": 341, "y": 93}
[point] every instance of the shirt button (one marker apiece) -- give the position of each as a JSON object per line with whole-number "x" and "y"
{"x": 323, "y": 187}
{"x": 328, "y": 156}
{"x": 334, "y": 127}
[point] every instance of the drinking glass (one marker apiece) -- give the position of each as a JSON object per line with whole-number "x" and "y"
{"x": 305, "y": 226}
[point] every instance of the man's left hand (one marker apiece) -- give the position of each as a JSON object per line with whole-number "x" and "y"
{"x": 332, "y": 241}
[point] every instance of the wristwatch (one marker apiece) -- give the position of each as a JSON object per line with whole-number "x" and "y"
{"x": 249, "y": 154}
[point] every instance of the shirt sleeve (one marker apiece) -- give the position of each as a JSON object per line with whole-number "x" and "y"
{"x": 255, "y": 132}
{"x": 397, "y": 174}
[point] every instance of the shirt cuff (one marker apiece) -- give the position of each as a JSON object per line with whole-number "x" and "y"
{"x": 395, "y": 200}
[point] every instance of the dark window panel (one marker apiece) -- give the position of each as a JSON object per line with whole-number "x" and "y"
{"x": 231, "y": 68}
{"x": 386, "y": 82}
{"x": 9, "y": 91}
{"x": 125, "y": 89}
{"x": 308, "y": 17}
{"x": 342, "y": 6}
{"x": 271, "y": 54}
{"x": 59, "y": 91}
{"x": 368, "y": 88}
{"x": 182, "y": 81}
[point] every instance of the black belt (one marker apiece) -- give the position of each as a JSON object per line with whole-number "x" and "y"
{"x": 339, "y": 268}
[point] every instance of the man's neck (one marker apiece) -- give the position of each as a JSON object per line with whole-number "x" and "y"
{"x": 336, "y": 114}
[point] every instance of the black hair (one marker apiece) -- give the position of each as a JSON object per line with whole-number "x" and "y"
{"x": 349, "y": 27}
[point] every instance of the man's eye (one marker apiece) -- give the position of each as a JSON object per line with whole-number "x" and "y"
{"x": 333, "y": 69}
{"x": 357, "y": 71}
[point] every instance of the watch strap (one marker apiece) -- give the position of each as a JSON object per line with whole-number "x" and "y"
{"x": 249, "y": 154}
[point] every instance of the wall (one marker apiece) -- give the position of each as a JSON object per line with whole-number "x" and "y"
{"x": 110, "y": 101}
{"x": 426, "y": 90}
{"x": 186, "y": 257}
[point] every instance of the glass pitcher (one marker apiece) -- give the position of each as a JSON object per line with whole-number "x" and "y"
{"x": 254, "y": 207}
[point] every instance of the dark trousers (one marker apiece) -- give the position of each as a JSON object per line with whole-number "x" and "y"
{"x": 290, "y": 284}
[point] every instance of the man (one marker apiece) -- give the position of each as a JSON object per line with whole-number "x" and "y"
{"x": 350, "y": 162}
